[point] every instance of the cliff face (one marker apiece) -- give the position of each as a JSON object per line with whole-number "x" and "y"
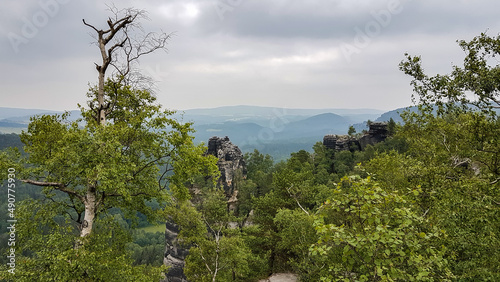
{"x": 231, "y": 165}
{"x": 377, "y": 133}
{"x": 174, "y": 254}
{"x": 341, "y": 142}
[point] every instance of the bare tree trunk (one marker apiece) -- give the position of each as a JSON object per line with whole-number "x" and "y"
{"x": 117, "y": 39}
{"x": 101, "y": 114}
{"x": 90, "y": 212}
{"x": 217, "y": 250}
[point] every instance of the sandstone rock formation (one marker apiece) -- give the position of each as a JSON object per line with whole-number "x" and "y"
{"x": 231, "y": 165}
{"x": 230, "y": 161}
{"x": 174, "y": 254}
{"x": 341, "y": 142}
{"x": 377, "y": 133}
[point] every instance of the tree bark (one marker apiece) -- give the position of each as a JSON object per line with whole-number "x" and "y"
{"x": 90, "y": 212}
{"x": 101, "y": 114}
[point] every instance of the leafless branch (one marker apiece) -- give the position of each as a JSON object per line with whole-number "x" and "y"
{"x": 204, "y": 260}
{"x": 59, "y": 186}
{"x": 124, "y": 51}
{"x": 295, "y": 198}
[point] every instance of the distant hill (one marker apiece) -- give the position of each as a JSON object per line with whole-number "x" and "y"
{"x": 237, "y": 132}
{"x": 244, "y": 110}
{"x": 271, "y": 130}
{"x": 395, "y": 114}
{"x": 266, "y": 115}
{"x": 6, "y": 113}
{"x": 10, "y": 140}
{"x": 14, "y": 120}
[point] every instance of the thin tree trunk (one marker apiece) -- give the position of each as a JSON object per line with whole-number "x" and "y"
{"x": 90, "y": 212}
{"x": 100, "y": 100}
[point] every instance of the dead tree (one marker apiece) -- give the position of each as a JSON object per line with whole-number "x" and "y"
{"x": 121, "y": 44}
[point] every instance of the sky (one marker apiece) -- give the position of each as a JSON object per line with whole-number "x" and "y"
{"x": 280, "y": 53}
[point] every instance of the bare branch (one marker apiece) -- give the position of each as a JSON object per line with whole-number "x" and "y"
{"x": 295, "y": 198}
{"x": 59, "y": 186}
{"x": 89, "y": 25}
{"x": 204, "y": 260}
{"x": 124, "y": 51}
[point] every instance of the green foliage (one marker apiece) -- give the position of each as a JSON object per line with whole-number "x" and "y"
{"x": 226, "y": 259}
{"x": 10, "y": 141}
{"x": 296, "y": 234}
{"x": 46, "y": 248}
{"x": 476, "y": 83}
{"x": 256, "y": 162}
{"x": 133, "y": 164}
{"x": 391, "y": 127}
{"x": 218, "y": 251}
{"x": 147, "y": 248}
{"x": 369, "y": 234}
{"x": 351, "y": 130}
{"x": 122, "y": 158}
{"x": 454, "y": 159}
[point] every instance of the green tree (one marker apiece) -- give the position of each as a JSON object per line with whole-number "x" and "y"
{"x": 218, "y": 251}
{"x": 124, "y": 152}
{"x": 369, "y": 234}
{"x": 476, "y": 83}
{"x": 351, "y": 131}
{"x": 454, "y": 140}
{"x": 391, "y": 127}
{"x": 453, "y": 159}
{"x": 45, "y": 248}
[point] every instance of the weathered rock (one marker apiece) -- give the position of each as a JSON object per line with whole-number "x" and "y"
{"x": 341, "y": 142}
{"x": 378, "y": 132}
{"x": 230, "y": 161}
{"x": 330, "y": 141}
{"x": 174, "y": 255}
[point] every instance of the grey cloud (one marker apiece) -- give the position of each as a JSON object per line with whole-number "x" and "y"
{"x": 338, "y": 19}
{"x": 276, "y": 53}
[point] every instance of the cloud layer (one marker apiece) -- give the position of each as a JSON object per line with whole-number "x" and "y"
{"x": 283, "y": 53}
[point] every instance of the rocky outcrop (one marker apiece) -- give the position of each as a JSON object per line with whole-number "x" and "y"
{"x": 174, "y": 254}
{"x": 341, "y": 142}
{"x": 377, "y": 133}
{"x": 231, "y": 165}
{"x": 230, "y": 162}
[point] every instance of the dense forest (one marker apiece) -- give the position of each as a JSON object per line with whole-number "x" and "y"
{"x": 422, "y": 205}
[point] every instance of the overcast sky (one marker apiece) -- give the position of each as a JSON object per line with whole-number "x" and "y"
{"x": 280, "y": 53}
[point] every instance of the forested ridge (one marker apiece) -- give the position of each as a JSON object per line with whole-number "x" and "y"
{"x": 422, "y": 205}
